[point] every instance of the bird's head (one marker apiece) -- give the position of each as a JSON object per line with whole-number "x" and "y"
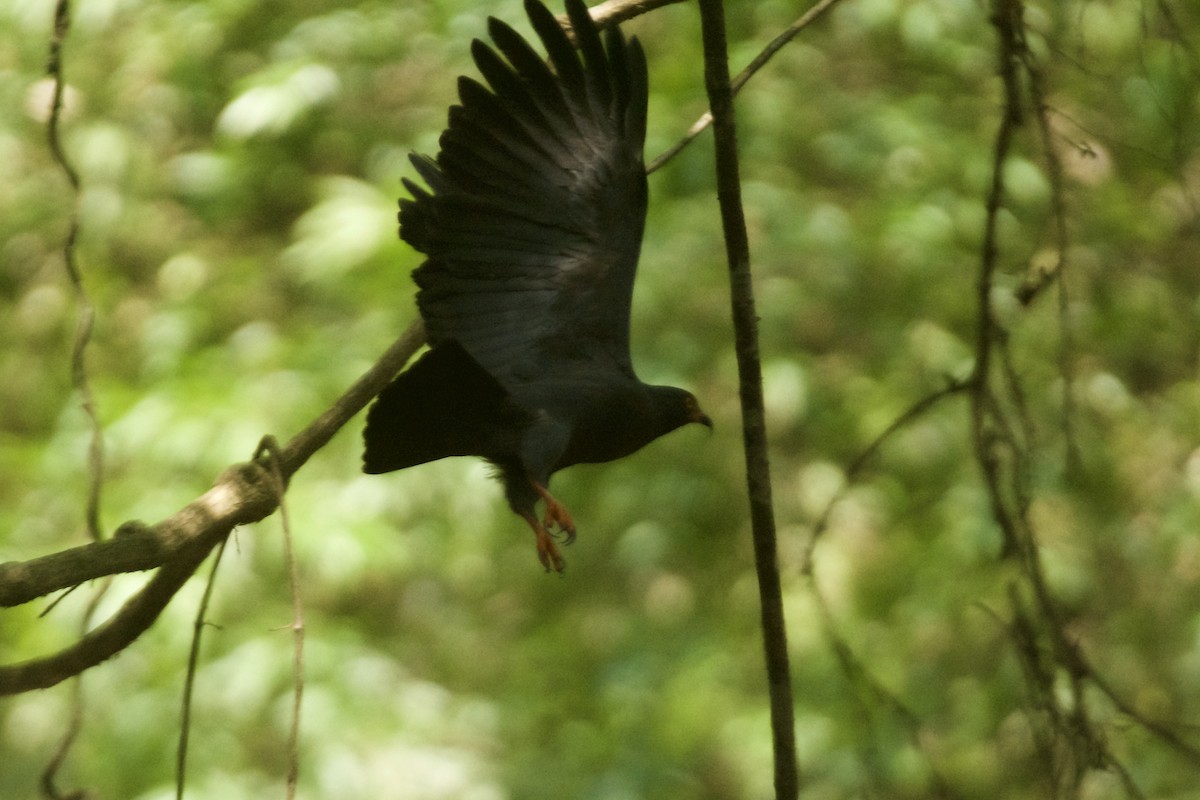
{"x": 675, "y": 407}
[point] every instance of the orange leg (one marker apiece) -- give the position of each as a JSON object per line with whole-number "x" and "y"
{"x": 556, "y": 513}
{"x": 547, "y": 550}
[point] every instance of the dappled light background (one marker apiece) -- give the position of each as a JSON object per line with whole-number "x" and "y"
{"x": 240, "y": 164}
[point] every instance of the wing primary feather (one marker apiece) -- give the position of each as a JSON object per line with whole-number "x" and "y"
{"x": 474, "y": 148}
{"x": 533, "y": 97}
{"x": 420, "y": 195}
{"x": 468, "y": 171}
{"x": 618, "y": 59}
{"x": 532, "y": 220}
{"x": 416, "y": 215}
{"x": 499, "y": 75}
{"x": 428, "y": 169}
{"x": 498, "y": 134}
{"x": 635, "y": 108}
{"x": 594, "y": 58}
{"x": 511, "y": 98}
{"x": 529, "y": 65}
{"x": 562, "y": 54}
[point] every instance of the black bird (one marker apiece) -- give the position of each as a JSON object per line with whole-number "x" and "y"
{"x": 532, "y": 225}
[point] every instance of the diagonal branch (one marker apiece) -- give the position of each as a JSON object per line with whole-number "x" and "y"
{"x": 178, "y": 544}
{"x": 614, "y": 12}
{"x": 138, "y": 614}
{"x": 901, "y": 422}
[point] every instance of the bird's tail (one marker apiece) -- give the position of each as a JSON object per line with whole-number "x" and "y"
{"x": 446, "y": 404}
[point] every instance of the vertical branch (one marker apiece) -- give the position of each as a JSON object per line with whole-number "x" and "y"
{"x": 75, "y": 723}
{"x": 87, "y": 311}
{"x": 189, "y": 681}
{"x": 62, "y": 24}
{"x": 758, "y": 474}
{"x": 79, "y": 376}
{"x": 1071, "y": 741}
{"x": 1006, "y": 18}
{"x": 1037, "y": 94}
{"x": 269, "y": 451}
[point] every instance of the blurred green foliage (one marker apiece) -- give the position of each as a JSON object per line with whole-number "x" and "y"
{"x": 240, "y": 163}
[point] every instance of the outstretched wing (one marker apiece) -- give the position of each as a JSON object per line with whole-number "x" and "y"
{"x": 534, "y": 220}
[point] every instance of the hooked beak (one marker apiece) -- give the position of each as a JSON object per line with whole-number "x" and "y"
{"x": 694, "y": 414}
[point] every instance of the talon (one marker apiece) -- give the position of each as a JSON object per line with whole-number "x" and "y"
{"x": 556, "y": 513}
{"x": 547, "y": 550}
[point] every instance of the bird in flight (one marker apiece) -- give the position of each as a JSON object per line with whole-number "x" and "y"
{"x": 531, "y": 226}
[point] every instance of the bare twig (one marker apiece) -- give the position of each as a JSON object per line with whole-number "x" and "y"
{"x": 189, "y": 681}
{"x": 915, "y": 411}
{"x": 268, "y": 452}
{"x": 759, "y": 61}
{"x": 1002, "y": 454}
{"x": 1180, "y": 33}
{"x": 1066, "y": 366}
{"x": 49, "y": 785}
{"x": 79, "y": 375}
{"x": 614, "y": 12}
{"x": 861, "y": 678}
{"x": 1070, "y": 740}
{"x": 1007, "y": 20}
{"x": 178, "y": 544}
{"x": 754, "y": 434}
{"x": 853, "y": 668}
{"x": 75, "y": 720}
{"x": 1163, "y": 732}
{"x": 87, "y": 311}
